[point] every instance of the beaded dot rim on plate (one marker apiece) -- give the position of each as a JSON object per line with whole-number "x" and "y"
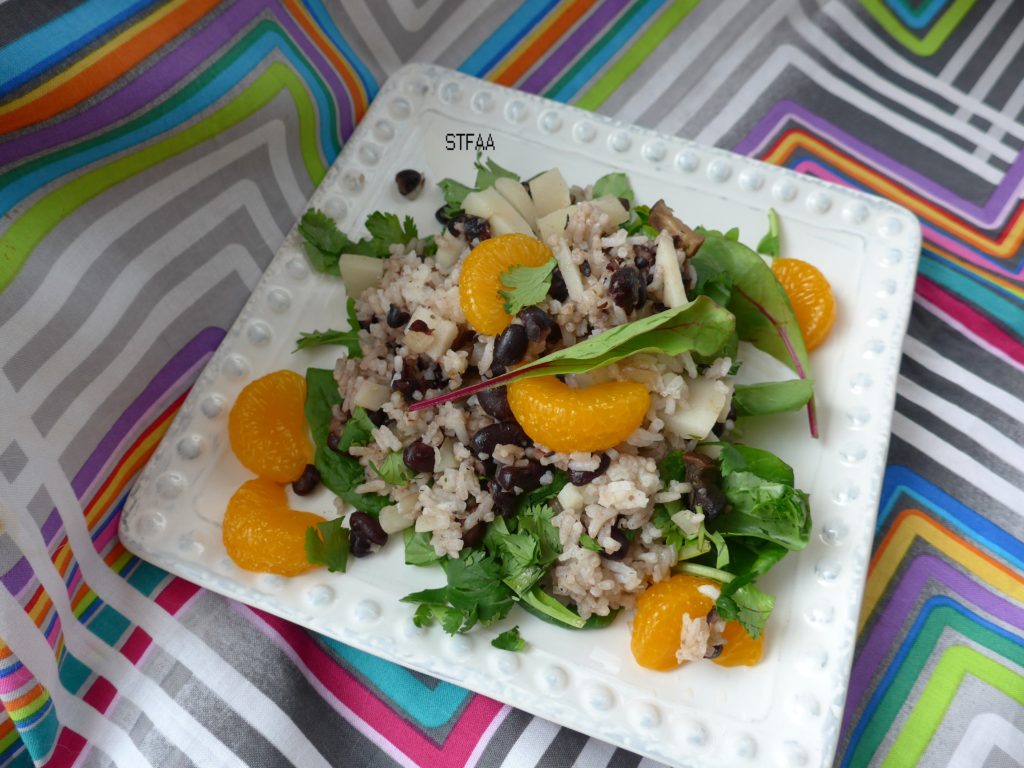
{"x": 159, "y": 521}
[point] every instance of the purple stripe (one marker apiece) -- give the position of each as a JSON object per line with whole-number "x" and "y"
{"x": 923, "y": 569}
{"x": 162, "y": 77}
{"x": 53, "y": 526}
{"x": 560, "y": 58}
{"x": 989, "y": 215}
{"x": 196, "y": 350}
{"x": 17, "y": 577}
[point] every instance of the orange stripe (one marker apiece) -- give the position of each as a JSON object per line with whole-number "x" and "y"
{"x": 533, "y": 53}
{"x": 5, "y": 651}
{"x": 115, "y": 553}
{"x": 25, "y": 699}
{"x": 122, "y": 56}
{"x": 344, "y": 69}
{"x": 6, "y": 727}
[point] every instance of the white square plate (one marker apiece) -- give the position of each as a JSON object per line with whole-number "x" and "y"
{"x": 784, "y": 711}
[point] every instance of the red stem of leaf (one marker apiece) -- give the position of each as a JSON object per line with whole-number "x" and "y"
{"x": 812, "y": 417}
{"x": 472, "y": 389}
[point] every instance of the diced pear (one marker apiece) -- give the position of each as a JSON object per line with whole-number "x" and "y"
{"x": 448, "y": 251}
{"x": 549, "y": 192}
{"x": 393, "y": 520}
{"x": 371, "y": 395}
{"x": 570, "y": 272}
{"x": 553, "y": 224}
{"x": 570, "y": 498}
{"x": 705, "y": 400}
{"x": 360, "y": 272}
{"x": 673, "y": 292}
{"x": 489, "y": 204}
{"x": 444, "y": 457}
{"x": 616, "y": 213}
{"x": 513, "y": 191}
{"x": 438, "y": 337}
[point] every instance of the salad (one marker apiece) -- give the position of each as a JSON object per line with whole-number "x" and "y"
{"x": 539, "y": 401}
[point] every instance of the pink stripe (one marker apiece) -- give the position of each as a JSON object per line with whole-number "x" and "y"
{"x": 974, "y": 322}
{"x": 461, "y": 742}
{"x": 15, "y": 681}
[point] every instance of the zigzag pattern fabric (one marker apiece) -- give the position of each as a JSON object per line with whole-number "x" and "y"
{"x": 153, "y": 155}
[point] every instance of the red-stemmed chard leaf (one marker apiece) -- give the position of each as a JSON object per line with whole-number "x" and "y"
{"x": 701, "y": 327}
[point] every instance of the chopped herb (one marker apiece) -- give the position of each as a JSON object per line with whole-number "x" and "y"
{"x": 749, "y": 606}
{"x": 327, "y": 544}
{"x": 488, "y": 172}
{"x": 769, "y": 244}
{"x": 358, "y": 430}
{"x": 325, "y": 242}
{"x": 589, "y": 542}
{"x": 509, "y": 640}
{"x": 616, "y": 185}
{"x": 418, "y": 549}
{"x": 348, "y": 339}
{"x": 393, "y": 470}
{"x": 526, "y": 286}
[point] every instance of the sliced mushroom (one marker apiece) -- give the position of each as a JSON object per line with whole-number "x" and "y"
{"x": 663, "y": 218}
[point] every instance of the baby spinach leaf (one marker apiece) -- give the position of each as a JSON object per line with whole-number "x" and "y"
{"x": 358, "y": 430}
{"x": 327, "y": 544}
{"x": 701, "y": 327}
{"x": 769, "y": 244}
{"x": 765, "y": 464}
{"x": 616, "y": 185}
{"x": 764, "y": 316}
{"x": 770, "y": 397}
{"x": 763, "y": 509}
{"x": 321, "y": 396}
{"x": 749, "y": 606}
{"x": 393, "y": 470}
{"x": 509, "y": 640}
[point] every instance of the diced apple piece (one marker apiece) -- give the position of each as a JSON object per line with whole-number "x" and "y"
{"x": 570, "y": 498}
{"x": 553, "y": 224}
{"x": 549, "y": 192}
{"x": 448, "y": 251}
{"x": 489, "y": 204}
{"x": 570, "y": 272}
{"x": 435, "y": 339}
{"x": 444, "y": 457}
{"x": 673, "y": 292}
{"x": 402, "y": 514}
{"x": 371, "y": 395}
{"x": 704, "y": 403}
{"x": 513, "y": 191}
{"x": 616, "y": 213}
{"x": 359, "y": 272}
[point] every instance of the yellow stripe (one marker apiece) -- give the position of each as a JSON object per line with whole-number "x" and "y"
{"x": 123, "y": 474}
{"x": 92, "y": 58}
{"x": 499, "y": 69}
{"x": 890, "y": 557}
{"x": 1006, "y": 248}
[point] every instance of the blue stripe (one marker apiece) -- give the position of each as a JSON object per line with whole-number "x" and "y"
{"x": 150, "y": 127}
{"x": 917, "y": 17}
{"x": 327, "y": 26}
{"x": 35, "y": 52}
{"x": 968, "y": 286}
{"x": 899, "y": 479}
{"x": 506, "y": 37}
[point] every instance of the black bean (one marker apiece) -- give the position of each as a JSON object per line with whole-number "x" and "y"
{"x": 585, "y": 268}
{"x": 620, "y": 553}
{"x": 714, "y": 651}
{"x": 471, "y": 537}
{"x": 628, "y": 289}
{"x": 503, "y": 433}
{"x": 583, "y": 477}
{"x": 477, "y": 228}
{"x": 332, "y": 441}
{"x": 558, "y": 291}
{"x": 494, "y": 401}
{"x": 505, "y": 502}
{"x": 409, "y": 182}
{"x": 408, "y": 382}
{"x": 510, "y": 346}
{"x": 441, "y": 214}
{"x": 644, "y": 256}
{"x": 419, "y": 457}
{"x": 397, "y": 317}
{"x": 368, "y": 527}
{"x": 359, "y": 545}
{"x": 378, "y": 418}
{"x": 519, "y": 479}
{"x": 537, "y": 322}
{"x": 465, "y": 336}
{"x": 307, "y": 481}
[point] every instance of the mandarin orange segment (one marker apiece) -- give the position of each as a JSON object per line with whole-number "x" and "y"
{"x": 262, "y": 533}
{"x": 592, "y": 418}
{"x": 740, "y": 649}
{"x": 659, "y": 618}
{"x": 480, "y": 280}
{"x": 811, "y": 296}
{"x": 267, "y": 427}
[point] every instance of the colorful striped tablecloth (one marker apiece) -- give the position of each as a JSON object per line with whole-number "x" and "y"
{"x": 154, "y": 154}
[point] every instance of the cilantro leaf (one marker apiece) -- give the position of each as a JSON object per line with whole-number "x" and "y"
{"x": 474, "y": 594}
{"x": 509, "y": 640}
{"x": 616, "y": 185}
{"x": 769, "y": 244}
{"x": 536, "y": 520}
{"x": 348, "y": 339}
{"x": 544, "y": 493}
{"x": 638, "y": 222}
{"x": 749, "y": 606}
{"x": 358, "y": 430}
{"x": 589, "y": 542}
{"x": 418, "y": 549}
{"x": 454, "y": 191}
{"x": 323, "y": 240}
{"x": 489, "y": 172}
{"x": 393, "y": 470}
{"x": 387, "y": 228}
{"x": 327, "y": 544}
{"x": 526, "y": 286}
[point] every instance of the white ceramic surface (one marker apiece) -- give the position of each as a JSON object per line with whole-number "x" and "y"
{"x": 785, "y": 711}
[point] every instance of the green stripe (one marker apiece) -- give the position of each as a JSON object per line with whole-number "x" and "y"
{"x": 28, "y": 231}
{"x": 635, "y": 56}
{"x": 593, "y": 51}
{"x": 937, "y": 696}
{"x": 931, "y": 42}
{"x": 971, "y": 287}
{"x": 31, "y": 708}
